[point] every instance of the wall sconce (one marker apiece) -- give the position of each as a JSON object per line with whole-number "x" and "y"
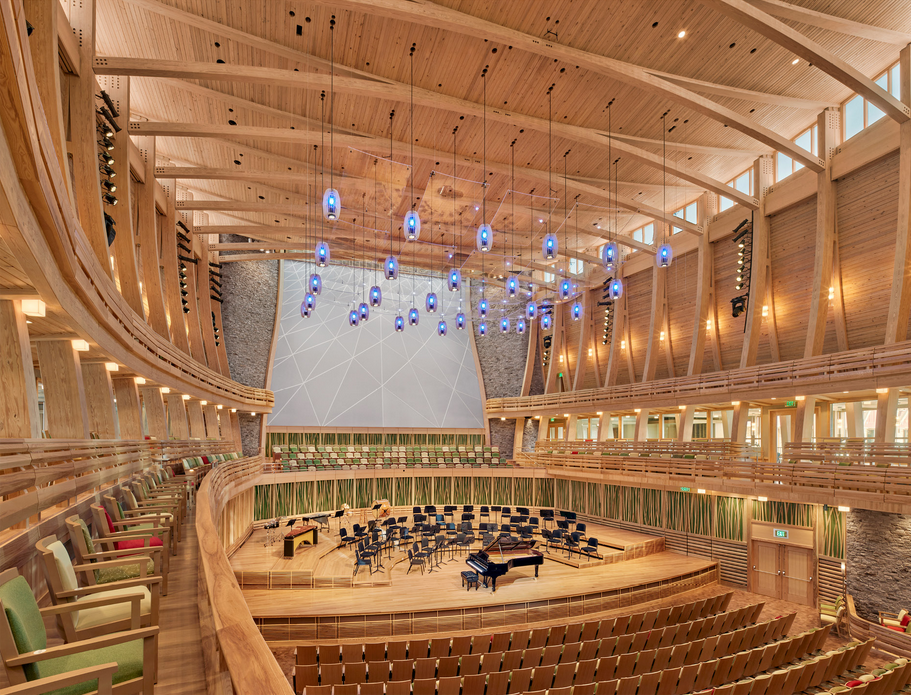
{"x": 637, "y": 410}
{"x": 80, "y": 345}
{"x": 623, "y": 345}
{"x": 219, "y": 407}
{"x": 700, "y": 491}
{"x": 765, "y": 311}
{"x": 662, "y": 336}
{"x": 681, "y": 407}
{"x": 831, "y": 293}
{"x": 112, "y": 366}
{"x": 735, "y": 402}
{"x": 800, "y": 398}
{"x": 233, "y": 410}
{"x": 185, "y": 397}
{"x": 708, "y": 325}
{"x": 34, "y": 307}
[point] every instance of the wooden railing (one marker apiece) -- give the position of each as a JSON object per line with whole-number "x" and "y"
{"x": 886, "y": 488}
{"x": 230, "y": 638}
{"x": 52, "y": 247}
{"x": 889, "y": 365}
{"x": 846, "y": 453}
{"x": 715, "y": 449}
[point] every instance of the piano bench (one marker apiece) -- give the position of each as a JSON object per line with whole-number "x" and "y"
{"x": 470, "y": 578}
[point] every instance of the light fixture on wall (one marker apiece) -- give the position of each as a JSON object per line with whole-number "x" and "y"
{"x": 139, "y": 381}
{"x": 185, "y": 397}
{"x": 34, "y": 307}
{"x": 112, "y": 366}
{"x": 80, "y": 345}
{"x": 165, "y": 390}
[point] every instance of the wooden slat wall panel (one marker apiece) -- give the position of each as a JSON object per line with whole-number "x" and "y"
{"x": 681, "y": 302}
{"x": 571, "y": 330}
{"x": 867, "y": 220}
{"x": 730, "y": 330}
{"x": 639, "y": 291}
{"x": 792, "y": 242}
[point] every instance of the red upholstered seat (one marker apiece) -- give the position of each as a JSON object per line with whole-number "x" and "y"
{"x": 134, "y": 543}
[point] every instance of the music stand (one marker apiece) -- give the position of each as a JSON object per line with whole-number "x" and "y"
{"x": 338, "y": 515}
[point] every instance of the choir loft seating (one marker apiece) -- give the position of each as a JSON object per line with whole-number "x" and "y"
{"x": 320, "y": 458}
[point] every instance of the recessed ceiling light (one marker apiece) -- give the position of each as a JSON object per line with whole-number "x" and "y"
{"x": 681, "y": 34}
{"x": 795, "y": 61}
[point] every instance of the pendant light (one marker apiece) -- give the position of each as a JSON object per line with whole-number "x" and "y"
{"x": 512, "y": 282}
{"x": 391, "y": 264}
{"x": 550, "y": 245}
{"x": 531, "y": 310}
{"x": 307, "y": 306}
{"x": 454, "y": 279}
{"x": 545, "y": 322}
{"x": 363, "y": 310}
{"x": 577, "y": 309}
{"x": 332, "y": 203}
{"x": 485, "y": 233}
{"x": 442, "y": 328}
{"x": 430, "y": 302}
{"x": 412, "y": 219}
{"x": 414, "y": 317}
{"x": 483, "y": 308}
{"x": 460, "y": 321}
{"x": 665, "y": 252}
{"x": 504, "y": 324}
{"x": 316, "y": 284}
{"x": 610, "y": 254}
{"x": 482, "y": 328}
{"x": 615, "y": 289}
{"x": 321, "y": 252}
{"x": 531, "y": 307}
{"x": 566, "y": 288}
{"x": 399, "y": 324}
{"x": 520, "y": 326}
{"x": 353, "y": 317}
{"x": 376, "y": 293}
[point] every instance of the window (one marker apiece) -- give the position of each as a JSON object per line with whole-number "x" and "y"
{"x": 576, "y": 266}
{"x": 688, "y": 213}
{"x": 645, "y": 234}
{"x": 858, "y": 113}
{"x": 743, "y": 183}
{"x": 549, "y": 277}
{"x": 784, "y": 165}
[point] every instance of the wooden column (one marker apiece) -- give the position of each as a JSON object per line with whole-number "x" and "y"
{"x": 532, "y": 329}
{"x": 84, "y": 137}
{"x": 124, "y": 247}
{"x": 570, "y": 433}
{"x": 177, "y": 417}
{"x": 886, "y": 410}
{"x": 727, "y": 421}
{"x": 193, "y": 318}
{"x": 556, "y": 349}
{"x": 519, "y": 436}
{"x": 765, "y": 439}
{"x": 44, "y": 15}
{"x": 685, "y": 424}
{"x": 543, "y": 427}
{"x": 605, "y": 431}
{"x": 203, "y": 297}
{"x": 656, "y": 322}
{"x": 147, "y": 229}
{"x": 129, "y": 410}
{"x": 64, "y": 393}
{"x": 824, "y": 420}
{"x": 617, "y": 353}
{"x": 19, "y": 393}
{"x": 803, "y": 420}
{"x": 763, "y": 176}
{"x": 829, "y": 129}
{"x": 854, "y": 414}
{"x": 197, "y": 422}
{"x": 235, "y": 431}
{"x": 156, "y": 417}
{"x": 99, "y": 400}
{"x": 168, "y": 249}
{"x": 900, "y": 300}
{"x": 210, "y": 415}
{"x": 641, "y": 432}
{"x": 585, "y": 342}
{"x": 739, "y": 423}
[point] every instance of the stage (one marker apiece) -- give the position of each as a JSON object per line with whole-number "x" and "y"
{"x": 288, "y": 600}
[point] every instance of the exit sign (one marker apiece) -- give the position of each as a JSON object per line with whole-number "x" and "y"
{"x": 684, "y": 489}
{"x": 781, "y": 533}
{"x": 790, "y": 404}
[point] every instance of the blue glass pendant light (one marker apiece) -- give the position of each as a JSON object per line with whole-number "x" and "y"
{"x": 376, "y": 296}
{"x": 549, "y": 246}
{"x": 576, "y": 311}
{"x": 363, "y": 311}
{"x": 512, "y": 286}
{"x": 609, "y": 256}
{"x": 391, "y": 268}
{"x": 321, "y": 254}
{"x": 482, "y": 328}
{"x": 566, "y": 288}
{"x": 531, "y": 310}
{"x": 399, "y": 324}
{"x": 454, "y": 280}
{"x": 483, "y": 308}
{"x": 316, "y": 283}
{"x": 615, "y": 289}
{"x": 414, "y": 317}
{"x": 545, "y": 322}
{"x": 460, "y": 321}
{"x": 520, "y": 326}
{"x": 430, "y": 304}
{"x": 442, "y": 328}
{"x": 353, "y": 317}
{"x": 664, "y": 256}
{"x": 504, "y": 324}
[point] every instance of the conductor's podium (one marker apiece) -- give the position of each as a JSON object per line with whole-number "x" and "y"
{"x": 304, "y": 534}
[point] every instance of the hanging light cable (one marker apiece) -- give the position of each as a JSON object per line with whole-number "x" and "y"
{"x": 566, "y": 284}
{"x": 485, "y": 233}
{"x": 412, "y": 219}
{"x": 332, "y": 204}
{"x": 512, "y": 281}
{"x": 455, "y": 275}
{"x": 430, "y": 303}
{"x": 376, "y": 293}
{"x": 363, "y": 309}
{"x": 322, "y": 248}
{"x": 609, "y": 252}
{"x": 663, "y": 257}
{"x": 550, "y": 245}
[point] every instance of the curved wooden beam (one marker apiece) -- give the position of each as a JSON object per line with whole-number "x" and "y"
{"x": 390, "y": 89}
{"x": 426, "y": 13}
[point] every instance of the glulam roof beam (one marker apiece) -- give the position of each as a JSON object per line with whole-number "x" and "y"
{"x": 389, "y": 89}
{"x": 430, "y": 14}
{"x": 755, "y": 19}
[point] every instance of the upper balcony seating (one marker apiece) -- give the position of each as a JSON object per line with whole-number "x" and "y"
{"x": 316, "y": 458}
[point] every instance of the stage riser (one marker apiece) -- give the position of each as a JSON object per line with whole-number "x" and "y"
{"x": 476, "y": 619}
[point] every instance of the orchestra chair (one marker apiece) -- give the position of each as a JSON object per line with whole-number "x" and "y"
{"x": 485, "y": 512}
{"x": 345, "y": 538}
{"x": 141, "y": 518}
{"x": 412, "y": 561}
{"x": 360, "y": 559}
{"x": 572, "y": 542}
{"x": 125, "y": 659}
{"x": 113, "y": 607}
{"x": 148, "y": 560}
{"x": 591, "y": 549}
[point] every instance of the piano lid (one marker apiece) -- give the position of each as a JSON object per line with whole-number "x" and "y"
{"x": 510, "y": 545}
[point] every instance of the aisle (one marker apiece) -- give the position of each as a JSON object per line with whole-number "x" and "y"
{"x": 181, "y": 670}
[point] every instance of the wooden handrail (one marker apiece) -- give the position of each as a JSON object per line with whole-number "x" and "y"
{"x": 237, "y": 642}
{"x": 889, "y": 365}
{"x": 49, "y": 242}
{"x": 879, "y": 488}
{"x": 716, "y": 449}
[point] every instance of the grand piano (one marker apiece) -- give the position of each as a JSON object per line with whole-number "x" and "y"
{"x": 502, "y": 555}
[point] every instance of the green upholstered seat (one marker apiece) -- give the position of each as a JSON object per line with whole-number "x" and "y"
{"x": 29, "y": 634}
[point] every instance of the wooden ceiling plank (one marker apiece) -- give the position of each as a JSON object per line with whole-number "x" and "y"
{"x": 779, "y": 32}
{"x": 431, "y": 14}
{"x": 389, "y": 89}
{"x": 804, "y": 15}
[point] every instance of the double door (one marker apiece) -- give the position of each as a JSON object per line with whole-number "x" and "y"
{"x": 785, "y": 572}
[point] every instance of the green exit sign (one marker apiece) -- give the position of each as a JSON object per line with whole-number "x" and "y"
{"x": 781, "y": 533}
{"x": 790, "y": 404}
{"x": 560, "y": 375}
{"x": 684, "y": 489}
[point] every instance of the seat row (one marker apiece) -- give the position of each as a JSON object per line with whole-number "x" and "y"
{"x": 577, "y": 678}
{"x": 106, "y": 602}
{"x": 693, "y": 615}
{"x": 608, "y": 645}
{"x": 599, "y": 657}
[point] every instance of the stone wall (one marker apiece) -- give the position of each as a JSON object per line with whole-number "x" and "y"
{"x": 878, "y": 551}
{"x": 250, "y": 290}
{"x": 502, "y": 359}
{"x": 530, "y": 434}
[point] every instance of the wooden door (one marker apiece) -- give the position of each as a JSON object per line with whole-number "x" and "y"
{"x": 766, "y": 569}
{"x": 797, "y": 580}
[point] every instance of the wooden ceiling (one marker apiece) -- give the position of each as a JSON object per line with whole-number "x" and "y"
{"x": 282, "y": 172}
